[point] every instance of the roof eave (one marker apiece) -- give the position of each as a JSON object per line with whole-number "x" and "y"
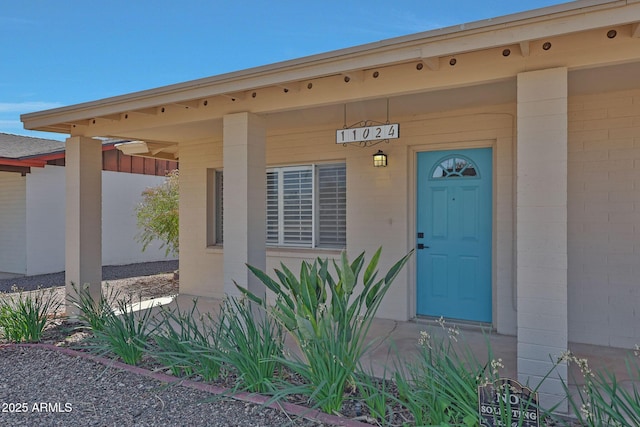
{"x": 451, "y": 40}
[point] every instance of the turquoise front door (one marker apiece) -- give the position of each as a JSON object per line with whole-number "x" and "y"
{"x": 453, "y": 239}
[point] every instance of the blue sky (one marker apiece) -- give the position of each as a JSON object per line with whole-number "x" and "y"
{"x": 61, "y": 52}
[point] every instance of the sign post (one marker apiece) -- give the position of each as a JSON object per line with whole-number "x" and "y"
{"x": 507, "y": 403}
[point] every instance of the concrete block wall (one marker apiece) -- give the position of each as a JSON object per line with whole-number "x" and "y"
{"x": 541, "y": 208}
{"x": 201, "y": 271}
{"x": 604, "y": 219}
{"x": 380, "y": 204}
{"x": 201, "y": 263}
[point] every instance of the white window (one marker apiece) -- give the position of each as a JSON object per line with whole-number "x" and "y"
{"x": 306, "y": 206}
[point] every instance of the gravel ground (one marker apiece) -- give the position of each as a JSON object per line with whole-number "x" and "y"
{"x": 109, "y": 273}
{"x": 43, "y": 387}
{"x": 40, "y": 387}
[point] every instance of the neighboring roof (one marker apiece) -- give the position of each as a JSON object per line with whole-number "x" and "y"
{"x": 21, "y": 153}
{"x": 18, "y": 146}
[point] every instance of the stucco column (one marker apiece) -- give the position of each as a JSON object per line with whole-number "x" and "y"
{"x": 541, "y": 204}
{"x": 83, "y": 229}
{"x": 244, "y": 200}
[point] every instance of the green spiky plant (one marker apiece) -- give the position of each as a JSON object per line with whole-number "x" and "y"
{"x": 122, "y": 330}
{"x": 93, "y": 314}
{"x": 25, "y": 315}
{"x": 328, "y": 319}
{"x": 604, "y": 400}
{"x": 187, "y": 342}
{"x": 252, "y": 343}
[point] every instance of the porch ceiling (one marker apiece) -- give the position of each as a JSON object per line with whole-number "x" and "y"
{"x": 372, "y": 109}
{"x": 582, "y": 81}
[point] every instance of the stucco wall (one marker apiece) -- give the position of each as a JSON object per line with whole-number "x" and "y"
{"x": 46, "y": 218}
{"x": 121, "y": 193}
{"x": 45, "y": 194}
{"x": 12, "y": 223}
{"x": 604, "y": 219}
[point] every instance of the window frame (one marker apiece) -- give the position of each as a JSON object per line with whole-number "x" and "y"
{"x": 281, "y": 199}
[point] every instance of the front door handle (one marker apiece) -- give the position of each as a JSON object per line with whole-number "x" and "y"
{"x": 422, "y": 246}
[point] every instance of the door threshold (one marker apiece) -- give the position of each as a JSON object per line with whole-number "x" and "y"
{"x": 459, "y": 323}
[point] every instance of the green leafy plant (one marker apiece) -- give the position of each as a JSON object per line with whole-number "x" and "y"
{"x": 328, "y": 320}
{"x": 603, "y": 400}
{"x": 124, "y": 332}
{"x": 252, "y": 342}
{"x": 25, "y": 315}
{"x": 93, "y": 314}
{"x": 376, "y": 395}
{"x": 441, "y": 386}
{"x": 158, "y": 213}
{"x": 187, "y": 342}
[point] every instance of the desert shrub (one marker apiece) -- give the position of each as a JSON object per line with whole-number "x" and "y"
{"x": 157, "y": 215}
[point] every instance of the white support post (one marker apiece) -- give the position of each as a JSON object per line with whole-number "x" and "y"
{"x": 244, "y": 195}
{"x": 542, "y": 231}
{"x": 83, "y": 241}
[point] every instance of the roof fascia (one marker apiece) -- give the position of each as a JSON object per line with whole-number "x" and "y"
{"x": 23, "y": 162}
{"x": 59, "y": 154}
{"x": 15, "y": 169}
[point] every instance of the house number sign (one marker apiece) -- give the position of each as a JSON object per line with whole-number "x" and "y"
{"x": 367, "y": 133}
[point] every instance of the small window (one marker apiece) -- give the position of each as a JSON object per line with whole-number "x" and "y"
{"x": 214, "y": 207}
{"x": 455, "y": 167}
{"x": 219, "y": 212}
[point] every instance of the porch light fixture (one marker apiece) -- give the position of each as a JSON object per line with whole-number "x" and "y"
{"x": 379, "y": 160}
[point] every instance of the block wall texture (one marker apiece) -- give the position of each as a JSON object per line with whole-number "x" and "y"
{"x": 604, "y": 219}
{"x": 541, "y": 205}
{"x": 380, "y": 201}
